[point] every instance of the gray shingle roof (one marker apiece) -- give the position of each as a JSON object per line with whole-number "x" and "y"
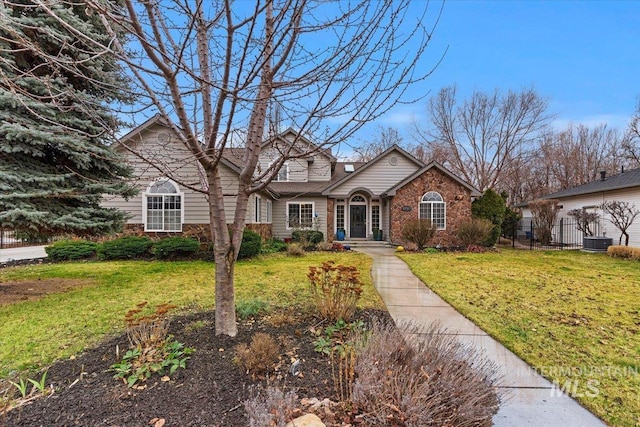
{"x": 626, "y": 179}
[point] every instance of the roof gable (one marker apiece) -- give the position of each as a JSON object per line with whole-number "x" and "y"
{"x": 358, "y": 171}
{"x": 158, "y": 120}
{"x": 474, "y": 191}
{"x": 313, "y": 147}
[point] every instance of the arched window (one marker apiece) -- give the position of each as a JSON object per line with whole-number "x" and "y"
{"x": 358, "y": 199}
{"x": 163, "y": 208}
{"x": 432, "y": 207}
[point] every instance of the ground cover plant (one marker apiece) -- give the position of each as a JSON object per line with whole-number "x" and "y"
{"x": 573, "y": 316}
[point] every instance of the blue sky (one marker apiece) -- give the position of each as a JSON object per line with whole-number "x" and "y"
{"x": 583, "y": 56}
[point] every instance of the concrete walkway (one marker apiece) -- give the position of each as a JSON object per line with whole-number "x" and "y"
{"x": 26, "y": 252}
{"x": 531, "y": 399}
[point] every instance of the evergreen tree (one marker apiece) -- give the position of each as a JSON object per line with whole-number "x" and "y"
{"x": 55, "y": 158}
{"x": 490, "y": 206}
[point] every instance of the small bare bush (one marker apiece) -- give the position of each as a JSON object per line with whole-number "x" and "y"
{"x": 324, "y": 246}
{"x": 419, "y": 378}
{"x": 270, "y": 407}
{"x": 336, "y": 289}
{"x": 145, "y": 328}
{"x": 260, "y": 356}
{"x": 295, "y": 249}
{"x": 419, "y": 232}
{"x": 626, "y": 252}
{"x": 474, "y": 232}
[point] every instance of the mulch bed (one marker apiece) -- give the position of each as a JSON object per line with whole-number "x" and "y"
{"x": 210, "y": 392}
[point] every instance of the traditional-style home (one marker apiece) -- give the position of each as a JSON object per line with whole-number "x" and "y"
{"x": 356, "y": 200}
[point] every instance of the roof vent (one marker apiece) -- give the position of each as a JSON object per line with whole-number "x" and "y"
{"x": 603, "y": 175}
{"x": 349, "y": 168}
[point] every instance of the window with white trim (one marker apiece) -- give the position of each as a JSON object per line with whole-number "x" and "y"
{"x": 269, "y": 212}
{"x": 375, "y": 217}
{"x": 283, "y": 174}
{"x": 299, "y": 215}
{"x": 432, "y": 207}
{"x": 340, "y": 217}
{"x": 163, "y": 208}
{"x": 257, "y": 210}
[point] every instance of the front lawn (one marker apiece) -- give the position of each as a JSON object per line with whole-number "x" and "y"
{"x": 573, "y": 316}
{"x": 35, "y": 333}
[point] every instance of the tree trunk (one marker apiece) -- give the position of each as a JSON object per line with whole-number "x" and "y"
{"x": 626, "y": 238}
{"x": 224, "y": 255}
{"x": 225, "y": 295}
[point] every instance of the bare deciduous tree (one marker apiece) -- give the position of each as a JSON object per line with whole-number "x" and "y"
{"x": 622, "y": 214}
{"x": 584, "y": 220}
{"x": 480, "y": 137}
{"x": 577, "y": 154}
{"x": 385, "y": 139}
{"x": 631, "y": 141}
{"x": 214, "y": 71}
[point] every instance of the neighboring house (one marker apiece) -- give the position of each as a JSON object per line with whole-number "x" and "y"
{"x": 314, "y": 191}
{"x": 624, "y": 186}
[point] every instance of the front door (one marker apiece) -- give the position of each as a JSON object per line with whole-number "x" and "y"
{"x": 358, "y": 223}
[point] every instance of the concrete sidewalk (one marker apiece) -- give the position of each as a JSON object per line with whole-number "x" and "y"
{"x": 26, "y": 252}
{"x": 531, "y": 399}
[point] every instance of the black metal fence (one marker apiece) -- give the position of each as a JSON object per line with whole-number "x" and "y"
{"x": 564, "y": 234}
{"x": 12, "y": 239}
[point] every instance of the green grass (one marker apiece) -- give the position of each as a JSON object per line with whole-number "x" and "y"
{"x": 572, "y": 315}
{"x": 36, "y": 333}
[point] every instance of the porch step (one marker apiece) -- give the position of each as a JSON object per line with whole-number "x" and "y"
{"x": 364, "y": 243}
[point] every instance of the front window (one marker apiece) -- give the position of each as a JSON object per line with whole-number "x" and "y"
{"x": 375, "y": 217}
{"x": 269, "y": 212}
{"x": 163, "y": 207}
{"x": 300, "y": 215}
{"x": 257, "y": 214}
{"x": 340, "y": 217}
{"x": 432, "y": 207}
{"x": 283, "y": 173}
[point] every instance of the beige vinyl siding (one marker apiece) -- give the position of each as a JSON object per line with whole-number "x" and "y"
{"x": 379, "y": 176}
{"x": 320, "y": 169}
{"x": 279, "y": 220}
{"x": 180, "y": 160}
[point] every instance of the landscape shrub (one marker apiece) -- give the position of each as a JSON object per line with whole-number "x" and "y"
{"x": 151, "y": 348}
{"x": 413, "y": 377}
{"x": 336, "y": 289}
{"x": 325, "y": 246}
{"x": 308, "y": 238}
{"x": 174, "y": 247}
{"x": 490, "y": 206}
{"x": 475, "y": 231}
{"x": 128, "y": 247}
{"x": 625, "y": 252}
{"x": 270, "y": 407}
{"x": 260, "y": 356}
{"x": 272, "y": 246}
{"x": 65, "y": 250}
{"x": 419, "y": 232}
{"x": 295, "y": 249}
{"x": 251, "y": 244}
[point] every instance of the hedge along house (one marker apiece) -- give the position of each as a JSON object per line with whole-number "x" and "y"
{"x": 310, "y": 191}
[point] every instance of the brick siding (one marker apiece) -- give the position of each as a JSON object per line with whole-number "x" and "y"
{"x": 456, "y": 197}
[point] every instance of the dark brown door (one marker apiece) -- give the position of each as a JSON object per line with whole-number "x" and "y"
{"x": 358, "y": 224}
